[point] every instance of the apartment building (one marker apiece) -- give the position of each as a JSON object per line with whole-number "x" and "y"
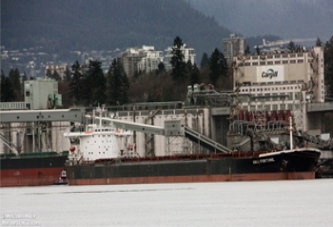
{"x": 233, "y": 46}
{"x": 59, "y": 68}
{"x": 188, "y": 52}
{"x": 144, "y": 59}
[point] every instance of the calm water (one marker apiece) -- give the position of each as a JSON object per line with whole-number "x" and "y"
{"x": 268, "y": 203}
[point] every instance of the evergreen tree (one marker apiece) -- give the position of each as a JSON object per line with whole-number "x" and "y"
{"x": 161, "y": 68}
{"x": 48, "y": 73}
{"x": 195, "y": 75}
{"x": 118, "y": 84}
{"x": 97, "y": 81}
{"x": 257, "y": 50}
{"x": 217, "y": 66}
{"x": 247, "y": 50}
{"x": 7, "y": 90}
{"x": 291, "y": 46}
{"x": 76, "y": 83}
{"x": 55, "y": 75}
{"x": 188, "y": 68}
{"x": 298, "y": 48}
{"x": 15, "y": 78}
{"x": 328, "y": 57}
{"x": 318, "y": 42}
{"x": 68, "y": 74}
{"x": 204, "y": 60}
{"x": 177, "y": 60}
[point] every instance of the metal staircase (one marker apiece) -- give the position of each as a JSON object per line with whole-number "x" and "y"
{"x": 204, "y": 141}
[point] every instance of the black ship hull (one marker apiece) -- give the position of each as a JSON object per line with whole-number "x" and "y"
{"x": 31, "y": 170}
{"x": 296, "y": 164}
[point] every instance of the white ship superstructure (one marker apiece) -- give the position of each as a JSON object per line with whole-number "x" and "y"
{"x": 100, "y": 142}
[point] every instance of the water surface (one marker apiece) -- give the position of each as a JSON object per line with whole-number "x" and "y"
{"x": 265, "y": 203}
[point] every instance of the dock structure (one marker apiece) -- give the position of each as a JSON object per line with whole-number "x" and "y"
{"x": 72, "y": 115}
{"x": 155, "y": 136}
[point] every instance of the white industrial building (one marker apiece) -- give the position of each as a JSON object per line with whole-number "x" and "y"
{"x": 279, "y": 81}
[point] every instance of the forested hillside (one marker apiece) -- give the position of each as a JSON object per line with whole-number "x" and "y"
{"x": 100, "y": 24}
{"x": 285, "y": 18}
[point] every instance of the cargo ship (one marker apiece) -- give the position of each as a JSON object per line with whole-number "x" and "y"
{"x": 32, "y": 168}
{"x": 96, "y": 157}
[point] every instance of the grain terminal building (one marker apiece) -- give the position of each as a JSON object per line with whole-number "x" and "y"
{"x": 281, "y": 81}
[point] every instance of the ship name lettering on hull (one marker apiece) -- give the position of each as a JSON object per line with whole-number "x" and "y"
{"x": 260, "y": 161}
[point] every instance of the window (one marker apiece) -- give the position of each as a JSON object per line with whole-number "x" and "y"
{"x": 245, "y": 98}
{"x": 268, "y": 97}
{"x": 275, "y": 97}
{"x": 274, "y": 107}
{"x": 282, "y": 96}
{"x": 268, "y": 107}
{"x": 290, "y": 106}
{"x": 282, "y": 106}
{"x": 290, "y": 96}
